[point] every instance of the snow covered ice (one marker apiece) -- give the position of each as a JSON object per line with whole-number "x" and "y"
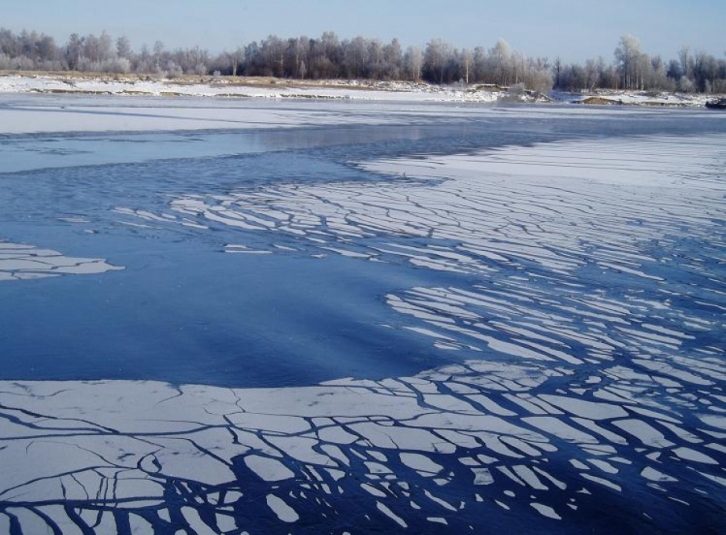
{"x": 415, "y": 318}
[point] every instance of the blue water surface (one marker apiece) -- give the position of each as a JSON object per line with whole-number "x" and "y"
{"x": 180, "y": 310}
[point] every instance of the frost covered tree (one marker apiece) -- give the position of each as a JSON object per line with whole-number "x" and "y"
{"x": 435, "y": 60}
{"x": 685, "y": 85}
{"x": 123, "y": 47}
{"x": 296, "y": 54}
{"x": 413, "y": 63}
{"x": 593, "y": 72}
{"x": 74, "y": 51}
{"x": 355, "y": 57}
{"x": 500, "y": 63}
{"x": 537, "y": 75}
{"x": 684, "y": 56}
{"x": 630, "y": 62}
{"x": 393, "y": 60}
{"x": 273, "y": 56}
{"x": 361, "y": 57}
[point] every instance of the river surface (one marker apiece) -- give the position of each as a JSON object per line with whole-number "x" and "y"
{"x": 352, "y": 317}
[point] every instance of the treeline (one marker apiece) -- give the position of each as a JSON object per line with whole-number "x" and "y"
{"x": 634, "y": 69}
{"x": 328, "y": 57}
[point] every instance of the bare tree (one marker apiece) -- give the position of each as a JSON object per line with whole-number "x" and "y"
{"x": 235, "y": 58}
{"x": 466, "y": 59}
{"x": 557, "y": 68}
{"x": 684, "y": 56}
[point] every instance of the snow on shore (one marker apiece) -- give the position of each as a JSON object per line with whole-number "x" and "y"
{"x": 353, "y": 90}
{"x": 639, "y": 98}
{"x": 323, "y": 90}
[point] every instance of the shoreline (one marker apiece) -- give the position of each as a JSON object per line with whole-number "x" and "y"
{"x": 90, "y": 84}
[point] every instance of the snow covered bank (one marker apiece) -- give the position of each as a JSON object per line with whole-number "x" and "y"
{"x": 637, "y": 98}
{"x": 254, "y": 88}
{"x": 322, "y": 90}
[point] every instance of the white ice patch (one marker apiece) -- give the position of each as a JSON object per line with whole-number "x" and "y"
{"x": 18, "y": 262}
{"x": 546, "y": 511}
{"x": 390, "y": 514}
{"x": 420, "y": 463}
{"x": 482, "y": 476}
{"x": 268, "y": 468}
{"x": 283, "y": 511}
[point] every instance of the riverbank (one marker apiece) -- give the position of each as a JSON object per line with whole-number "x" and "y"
{"x": 259, "y": 87}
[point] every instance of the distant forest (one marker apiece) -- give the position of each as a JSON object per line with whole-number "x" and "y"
{"x": 328, "y": 57}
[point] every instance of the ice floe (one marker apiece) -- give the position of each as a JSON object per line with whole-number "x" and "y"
{"x": 22, "y": 262}
{"x": 59, "y": 443}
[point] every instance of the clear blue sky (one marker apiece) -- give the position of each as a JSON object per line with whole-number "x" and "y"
{"x": 572, "y": 29}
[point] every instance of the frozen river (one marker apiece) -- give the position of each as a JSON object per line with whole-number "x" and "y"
{"x": 230, "y": 316}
